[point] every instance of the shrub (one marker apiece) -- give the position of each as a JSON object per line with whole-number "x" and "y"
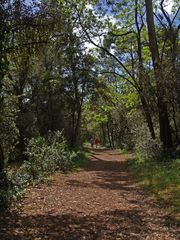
{"x": 81, "y": 159}
{"x": 146, "y": 147}
{"x": 45, "y": 156}
{"x": 6, "y": 189}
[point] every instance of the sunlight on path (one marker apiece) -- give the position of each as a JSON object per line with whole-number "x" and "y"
{"x": 98, "y": 202}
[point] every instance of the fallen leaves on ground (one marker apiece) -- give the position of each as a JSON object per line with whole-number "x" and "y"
{"x": 100, "y": 202}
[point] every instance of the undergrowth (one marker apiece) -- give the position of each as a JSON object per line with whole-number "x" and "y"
{"x": 45, "y": 156}
{"x": 160, "y": 179}
{"x": 80, "y": 160}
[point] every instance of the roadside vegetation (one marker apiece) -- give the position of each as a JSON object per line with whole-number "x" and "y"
{"x": 161, "y": 181}
{"x": 72, "y": 71}
{"x": 45, "y": 156}
{"x": 158, "y": 174}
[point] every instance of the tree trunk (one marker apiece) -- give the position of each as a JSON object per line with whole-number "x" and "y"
{"x": 140, "y": 60}
{"x": 77, "y": 127}
{"x": 1, "y": 159}
{"x": 109, "y": 137}
{"x": 147, "y": 116}
{"x": 112, "y": 138}
{"x": 175, "y": 125}
{"x": 103, "y": 134}
{"x": 165, "y": 131}
{"x": 20, "y": 124}
{"x": 3, "y": 67}
{"x": 76, "y": 120}
{"x": 72, "y": 127}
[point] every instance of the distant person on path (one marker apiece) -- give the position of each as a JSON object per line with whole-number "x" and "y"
{"x": 97, "y": 141}
{"x": 92, "y": 142}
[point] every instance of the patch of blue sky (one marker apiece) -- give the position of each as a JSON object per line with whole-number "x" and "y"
{"x": 172, "y": 9}
{"x": 115, "y": 7}
{"x": 31, "y": 2}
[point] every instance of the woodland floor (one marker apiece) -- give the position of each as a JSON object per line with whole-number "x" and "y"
{"x": 98, "y": 202}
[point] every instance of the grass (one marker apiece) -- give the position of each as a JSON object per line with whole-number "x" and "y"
{"x": 161, "y": 180}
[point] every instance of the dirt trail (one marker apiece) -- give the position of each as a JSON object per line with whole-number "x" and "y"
{"x": 99, "y": 202}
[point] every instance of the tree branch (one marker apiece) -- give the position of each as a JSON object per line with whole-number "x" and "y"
{"x": 120, "y": 35}
{"x": 175, "y": 15}
{"x": 162, "y": 24}
{"x": 117, "y": 74}
{"x": 166, "y": 15}
{"x": 104, "y": 49}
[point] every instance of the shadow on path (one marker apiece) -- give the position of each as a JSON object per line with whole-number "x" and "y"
{"x": 120, "y": 213}
{"x": 109, "y": 173}
{"x": 116, "y": 224}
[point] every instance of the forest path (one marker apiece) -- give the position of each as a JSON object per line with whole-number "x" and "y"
{"x": 99, "y": 202}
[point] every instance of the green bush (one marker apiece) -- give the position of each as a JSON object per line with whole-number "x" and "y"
{"x": 45, "y": 156}
{"x": 81, "y": 159}
{"x": 6, "y": 189}
{"x": 146, "y": 147}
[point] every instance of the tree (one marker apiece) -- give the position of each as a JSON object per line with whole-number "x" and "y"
{"x": 165, "y": 130}
{"x": 121, "y": 41}
{"x": 4, "y": 29}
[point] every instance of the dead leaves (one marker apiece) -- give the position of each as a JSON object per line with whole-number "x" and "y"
{"x": 99, "y": 203}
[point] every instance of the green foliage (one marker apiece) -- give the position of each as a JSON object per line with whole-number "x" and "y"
{"x": 80, "y": 160}
{"x": 146, "y": 147}
{"x": 11, "y": 185}
{"x": 160, "y": 179}
{"x": 49, "y": 76}
{"x": 8, "y": 129}
{"x": 4, "y": 190}
{"x": 45, "y": 156}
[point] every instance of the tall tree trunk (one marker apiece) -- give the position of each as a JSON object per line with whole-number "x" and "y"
{"x": 76, "y": 121}
{"x": 3, "y": 66}
{"x": 1, "y": 159}
{"x": 21, "y": 142}
{"x": 147, "y": 115}
{"x": 112, "y": 138}
{"x": 175, "y": 125}
{"x": 72, "y": 140}
{"x": 77, "y": 127}
{"x": 144, "y": 103}
{"x": 165, "y": 131}
{"x": 108, "y": 133}
{"x": 103, "y": 134}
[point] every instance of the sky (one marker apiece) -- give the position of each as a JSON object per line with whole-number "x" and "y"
{"x": 169, "y": 4}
